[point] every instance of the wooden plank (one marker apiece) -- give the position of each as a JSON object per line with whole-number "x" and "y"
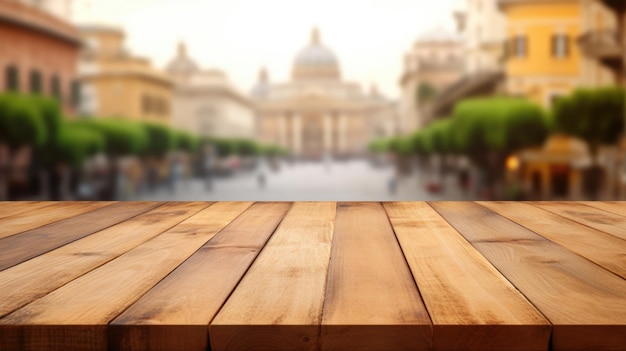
{"x": 372, "y": 302}
{"x": 35, "y": 278}
{"x": 607, "y": 222}
{"x": 74, "y": 316}
{"x": 599, "y": 247}
{"x": 616, "y": 207}
{"x": 585, "y": 303}
{"x": 11, "y": 208}
{"x": 19, "y": 248}
{"x": 472, "y": 306}
{"x": 32, "y": 219}
{"x": 165, "y": 319}
{"x": 278, "y": 304}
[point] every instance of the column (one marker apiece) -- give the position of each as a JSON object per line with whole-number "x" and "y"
{"x": 296, "y": 124}
{"x": 327, "y": 124}
{"x": 343, "y": 129}
{"x": 282, "y": 130}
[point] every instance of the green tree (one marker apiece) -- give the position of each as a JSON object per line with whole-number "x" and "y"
{"x": 121, "y": 137}
{"x": 187, "y": 142}
{"x": 21, "y": 122}
{"x": 21, "y": 125}
{"x": 426, "y": 92}
{"x": 161, "y": 140}
{"x": 596, "y": 116}
{"x": 402, "y": 147}
{"x": 76, "y": 143}
{"x": 380, "y": 145}
{"x": 487, "y": 130}
{"x": 246, "y": 147}
{"x": 437, "y": 137}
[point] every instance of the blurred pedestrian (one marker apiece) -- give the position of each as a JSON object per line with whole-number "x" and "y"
{"x": 392, "y": 184}
{"x": 263, "y": 169}
{"x": 176, "y": 171}
{"x": 209, "y": 160}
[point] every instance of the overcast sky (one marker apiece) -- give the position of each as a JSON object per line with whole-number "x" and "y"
{"x": 369, "y": 37}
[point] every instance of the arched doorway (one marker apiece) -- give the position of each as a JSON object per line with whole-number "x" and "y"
{"x": 560, "y": 180}
{"x": 312, "y": 137}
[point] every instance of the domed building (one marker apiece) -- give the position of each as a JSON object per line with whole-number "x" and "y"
{"x": 315, "y": 62}
{"x": 181, "y": 68}
{"x": 206, "y": 103}
{"x": 433, "y": 64}
{"x": 316, "y": 114}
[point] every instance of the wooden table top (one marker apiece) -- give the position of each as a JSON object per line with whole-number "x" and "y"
{"x": 313, "y": 276}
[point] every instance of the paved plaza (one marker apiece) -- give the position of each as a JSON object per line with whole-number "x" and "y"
{"x": 354, "y": 180}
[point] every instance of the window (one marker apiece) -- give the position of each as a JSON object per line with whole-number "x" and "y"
{"x": 157, "y": 106}
{"x": 12, "y": 79}
{"x": 165, "y": 108}
{"x": 35, "y": 82}
{"x": 75, "y": 88}
{"x": 147, "y": 104}
{"x": 519, "y": 46}
{"x": 55, "y": 87}
{"x": 560, "y": 45}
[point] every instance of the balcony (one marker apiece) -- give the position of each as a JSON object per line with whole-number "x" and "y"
{"x": 479, "y": 84}
{"x": 603, "y": 45}
{"x": 616, "y": 5}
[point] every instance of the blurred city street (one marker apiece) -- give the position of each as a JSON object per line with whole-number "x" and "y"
{"x": 100, "y": 104}
{"x": 354, "y": 180}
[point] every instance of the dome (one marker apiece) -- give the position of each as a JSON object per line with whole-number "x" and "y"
{"x": 181, "y": 64}
{"x": 315, "y": 61}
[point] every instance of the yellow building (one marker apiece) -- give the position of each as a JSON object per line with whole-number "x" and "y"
{"x": 544, "y": 58}
{"x": 116, "y": 84}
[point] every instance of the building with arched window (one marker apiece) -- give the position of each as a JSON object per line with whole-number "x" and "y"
{"x": 206, "y": 103}
{"x": 39, "y": 50}
{"x": 118, "y": 84}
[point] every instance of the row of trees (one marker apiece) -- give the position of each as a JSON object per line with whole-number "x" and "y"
{"x": 36, "y": 123}
{"x": 487, "y": 130}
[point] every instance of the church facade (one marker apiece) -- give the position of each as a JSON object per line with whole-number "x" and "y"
{"x": 316, "y": 114}
{"x": 206, "y": 103}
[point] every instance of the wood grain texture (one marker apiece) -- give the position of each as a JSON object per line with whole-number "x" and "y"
{"x": 372, "y": 302}
{"x": 616, "y": 207}
{"x": 19, "y": 248}
{"x": 607, "y": 222}
{"x": 158, "y": 321}
{"x": 278, "y": 304}
{"x": 585, "y": 303}
{"x": 11, "y": 208}
{"x": 36, "y": 277}
{"x": 472, "y": 306}
{"x": 197, "y": 276}
{"x": 32, "y": 219}
{"x": 97, "y": 297}
{"x": 599, "y": 247}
